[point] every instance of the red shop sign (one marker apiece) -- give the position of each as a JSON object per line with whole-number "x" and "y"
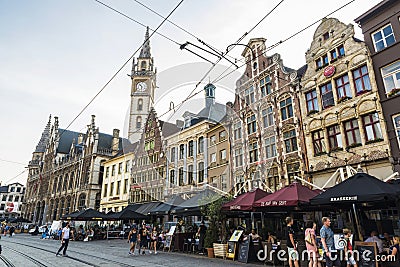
{"x": 329, "y": 71}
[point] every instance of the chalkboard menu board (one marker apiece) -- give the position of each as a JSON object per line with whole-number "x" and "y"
{"x": 243, "y": 254}
{"x": 367, "y": 254}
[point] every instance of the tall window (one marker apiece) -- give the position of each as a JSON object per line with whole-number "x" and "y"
{"x": 273, "y": 178}
{"x": 396, "y": 121}
{"x": 251, "y": 124}
{"x": 372, "y": 127}
{"x": 343, "y": 87}
{"x": 341, "y": 50}
{"x": 270, "y": 147}
{"x": 318, "y": 141}
{"x": 213, "y": 140}
{"x": 120, "y": 168}
{"x": 180, "y": 173}
{"x": 222, "y": 136}
{"x": 268, "y": 117}
{"x": 237, "y": 130}
{"x": 222, "y": 155}
{"x": 325, "y": 59}
{"x": 293, "y": 169}
{"x": 125, "y": 186}
{"x": 82, "y": 201}
{"x": 111, "y": 189}
{"x": 113, "y": 170}
{"x": 105, "y": 190}
{"x": 239, "y": 157}
{"x": 140, "y": 104}
{"x": 249, "y": 95}
{"x": 253, "y": 152}
{"x": 266, "y": 86}
{"x": 213, "y": 157}
{"x": 190, "y": 145}
{"x": 290, "y": 140}
{"x": 383, "y": 37}
{"x": 118, "y": 187}
{"x": 107, "y": 171}
{"x": 361, "y": 79}
{"x": 201, "y": 172}
{"x": 391, "y": 76}
{"x": 201, "y": 145}
{"x": 172, "y": 177}
{"x": 334, "y": 137}
{"x": 173, "y": 154}
{"x": 352, "y": 132}
{"x": 190, "y": 174}
{"x": 138, "y": 122}
{"x": 312, "y": 101}
{"x": 327, "y": 96}
{"x": 181, "y": 151}
{"x": 286, "y": 108}
{"x": 318, "y": 63}
{"x": 334, "y": 54}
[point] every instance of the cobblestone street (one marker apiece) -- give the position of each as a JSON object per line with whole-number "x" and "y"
{"x": 25, "y": 250}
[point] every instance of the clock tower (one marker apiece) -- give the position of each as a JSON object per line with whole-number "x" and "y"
{"x": 143, "y": 77}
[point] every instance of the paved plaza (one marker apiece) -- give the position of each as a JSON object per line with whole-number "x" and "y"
{"x": 25, "y": 250}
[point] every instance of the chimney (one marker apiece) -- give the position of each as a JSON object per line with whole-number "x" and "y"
{"x": 179, "y": 123}
{"x": 80, "y": 138}
{"x": 115, "y": 142}
{"x": 93, "y": 124}
{"x": 209, "y": 91}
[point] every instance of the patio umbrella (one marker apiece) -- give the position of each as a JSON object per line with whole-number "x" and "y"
{"x": 126, "y": 214}
{"x": 245, "y": 201}
{"x": 167, "y": 206}
{"x": 289, "y": 196}
{"x": 86, "y": 215}
{"x": 192, "y": 206}
{"x": 359, "y": 188}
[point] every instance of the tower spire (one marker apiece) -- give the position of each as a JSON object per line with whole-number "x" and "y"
{"x": 145, "y": 52}
{"x": 41, "y": 146}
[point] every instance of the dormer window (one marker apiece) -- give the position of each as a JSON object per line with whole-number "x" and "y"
{"x": 143, "y": 65}
{"x": 325, "y": 36}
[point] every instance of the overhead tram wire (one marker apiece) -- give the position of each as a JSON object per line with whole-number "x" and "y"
{"x": 213, "y": 66}
{"x": 16, "y": 176}
{"x": 183, "y": 29}
{"x": 122, "y": 67}
{"x": 10, "y": 161}
{"x": 285, "y": 40}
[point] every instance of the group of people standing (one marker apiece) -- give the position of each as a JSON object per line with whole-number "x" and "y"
{"x": 147, "y": 239}
{"x": 330, "y": 252}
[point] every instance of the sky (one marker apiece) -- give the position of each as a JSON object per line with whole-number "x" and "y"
{"x": 57, "y": 54}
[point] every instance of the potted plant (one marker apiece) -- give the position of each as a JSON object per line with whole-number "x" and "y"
{"x": 213, "y": 212}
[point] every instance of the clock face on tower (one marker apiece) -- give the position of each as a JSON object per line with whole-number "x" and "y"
{"x": 141, "y": 87}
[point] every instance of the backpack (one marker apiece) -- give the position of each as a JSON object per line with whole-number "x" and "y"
{"x": 308, "y": 238}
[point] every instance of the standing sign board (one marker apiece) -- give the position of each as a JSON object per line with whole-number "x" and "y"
{"x": 244, "y": 247}
{"x": 236, "y": 236}
{"x": 231, "y": 252}
{"x": 367, "y": 254}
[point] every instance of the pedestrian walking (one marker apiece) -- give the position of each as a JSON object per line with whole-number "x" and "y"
{"x": 201, "y": 233}
{"x": 153, "y": 238}
{"x": 64, "y": 240}
{"x": 348, "y": 249}
{"x": 12, "y": 229}
{"x": 311, "y": 244}
{"x": 132, "y": 239}
{"x": 328, "y": 244}
{"x": 143, "y": 239}
{"x": 291, "y": 243}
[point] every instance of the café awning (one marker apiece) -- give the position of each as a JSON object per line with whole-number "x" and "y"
{"x": 359, "y": 188}
{"x": 289, "y": 196}
{"x": 193, "y": 205}
{"x": 245, "y": 201}
{"x": 167, "y": 206}
{"x": 126, "y": 214}
{"x": 85, "y": 215}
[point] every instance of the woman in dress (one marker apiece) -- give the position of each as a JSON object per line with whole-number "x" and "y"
{"x": 311, "y": 244}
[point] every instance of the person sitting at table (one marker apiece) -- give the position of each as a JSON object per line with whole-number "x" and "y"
{"x": 271, "y": 238}
{"x": 374, "y": 238}
{"x": 394, "y": 250}
{"x": 387, "y": 240}
{"x": 255, "y": 237}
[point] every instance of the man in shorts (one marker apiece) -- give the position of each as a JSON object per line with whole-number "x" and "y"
{"x": 291, "y": 243}
{"x": 328, "y": 244}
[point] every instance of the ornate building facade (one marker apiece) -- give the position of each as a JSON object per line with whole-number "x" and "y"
{"x": 267, "y": 144}
{"x": 149, "y": 165}
{"x": 66, "y": 171}
{"x": 342, "y": 117}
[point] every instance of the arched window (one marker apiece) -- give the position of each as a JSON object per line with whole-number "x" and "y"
{"x": 82, "y": 202}
{"x": 61, "y": 211}
{"x": 140, "y": 104}
{"x": 71, "y": 181}
{"x": 200, "y": 177}
{"x": 138, "y": 122}
{"x": 65, "y": 183}
{"x": 60, "y": 179}
{"x": 143, "y": 65}
{"x": 201, "y": 145}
